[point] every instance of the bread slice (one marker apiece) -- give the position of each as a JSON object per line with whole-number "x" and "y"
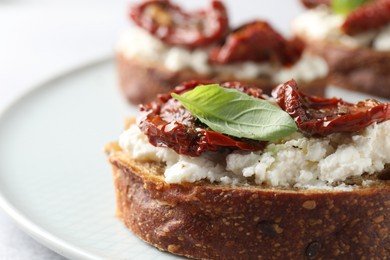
{"x": 141, "y": 81}
{"x": 211, "y": 221}
{"x": 357, "y": 62}
{"x": 147, "y": 66}
{"x": 360, "y": 69}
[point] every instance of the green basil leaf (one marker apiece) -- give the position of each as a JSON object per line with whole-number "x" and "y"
{"x": 346, "y": 6}
{"x": 232, "y": 112}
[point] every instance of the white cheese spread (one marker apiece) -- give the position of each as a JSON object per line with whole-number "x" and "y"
{"x": 382, "y": 41}
{"x": 139, "y": 44}
{"x": 308, "y": 68}
{"x": 295, "y": 161}
{"x": 321, "y": 24}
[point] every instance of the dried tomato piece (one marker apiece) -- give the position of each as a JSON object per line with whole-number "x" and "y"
{"x": 183, "y": 87}
{"x": 246, "y": 88}
{"x": 173, "y": 25}
{"x": 168, "y": 124}
{"x": 256, "y": 41}
{"x": 188, "y": 85}
{"x": 368, "y": 17}
{"x": 318, "y": 116}
{"x": 315, "y": 3}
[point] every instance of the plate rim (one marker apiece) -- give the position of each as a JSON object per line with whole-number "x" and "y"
{"x": 39, "y": 234}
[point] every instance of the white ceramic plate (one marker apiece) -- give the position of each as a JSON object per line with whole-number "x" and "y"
{"x": 54, "y": 178}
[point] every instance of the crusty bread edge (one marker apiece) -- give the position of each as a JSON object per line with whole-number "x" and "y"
{"x": 209, "y": 221}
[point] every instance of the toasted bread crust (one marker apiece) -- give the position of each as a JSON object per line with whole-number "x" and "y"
{"x": 359, "y": 69}
{"x": 141, "y": 81}
{"x": 207, "y": 221}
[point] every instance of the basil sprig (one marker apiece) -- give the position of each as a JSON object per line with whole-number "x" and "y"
{"x": 232, "y": 112}
{"x": 346, "y": 6}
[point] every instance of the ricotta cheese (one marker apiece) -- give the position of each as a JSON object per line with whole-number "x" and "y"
{"x": 382, "y": 41}
{"x": 308, "y": 68}
{"x": 139, "y": 44}
{"x": 295, "y": 161}
{"x": 320, "y": 24}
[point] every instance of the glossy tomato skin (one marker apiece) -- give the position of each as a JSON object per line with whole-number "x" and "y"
{"x": 174, "y": 26}
{"x": 257, "y": 41}
{"x": 315, "y": 3}
{"x": 370, "y": 16}
{"x": 317, "y": 116}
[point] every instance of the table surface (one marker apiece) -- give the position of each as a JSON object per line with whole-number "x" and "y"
{"x": 42, "y": 38}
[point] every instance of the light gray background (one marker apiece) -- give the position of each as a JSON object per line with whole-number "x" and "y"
{"x": 42, "y": 38}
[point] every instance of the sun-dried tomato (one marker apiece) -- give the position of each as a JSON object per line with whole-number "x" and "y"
{"x": 173, "y": 25}
{"x": 168, "y": 124}
{"x": 315, "y": 3}
{"x": 370, "y": 16}
{"x": 317, "y": 116}
{"x": 256, "y": 41}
